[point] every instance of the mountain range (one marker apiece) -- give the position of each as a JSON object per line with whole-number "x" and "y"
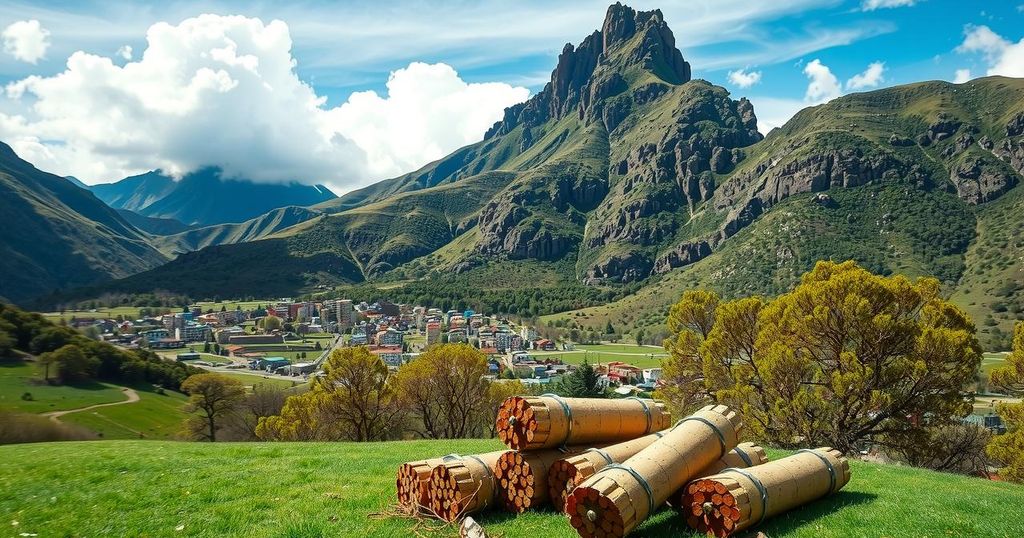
{"x": 58, "y": 235}
{"x": 205, "y": 197}
{"x": 625, "y": 173}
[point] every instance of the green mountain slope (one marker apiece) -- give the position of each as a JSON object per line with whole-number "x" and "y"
{"x": 923, "y": 179}
{"x": 58, "y": 235}
{"x": 153, "y": 225}
{"x": 195, "y": 238}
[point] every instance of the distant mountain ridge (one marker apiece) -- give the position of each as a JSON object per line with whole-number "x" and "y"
{"x": 60, "y": 236}
{"x": 205, "y": 197}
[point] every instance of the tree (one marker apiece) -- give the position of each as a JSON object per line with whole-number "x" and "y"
{"x": 214, "y": 398}
{"x": 955, "y": 448}
{"x": 640, "y": 337}
{"x": 846, "y": 357}
{"x": 6, "y": 345}
{"x": 71, "y": 363}
{"x": 1008, "y": 449}
{"x": 445, "y": 391}
{"x": 582, "y": 382}
{"x": 609, "y": 328}
{"x": 272, "y": 323}
{"x": 266, "y": 400}
{"x": 50, "y": 339}
{"x": 354, "y": 400}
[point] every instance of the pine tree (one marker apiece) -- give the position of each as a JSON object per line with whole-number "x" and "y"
{"x": 582, "y": 383}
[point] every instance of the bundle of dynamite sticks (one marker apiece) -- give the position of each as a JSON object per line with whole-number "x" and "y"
{"x": 611, "y": 464}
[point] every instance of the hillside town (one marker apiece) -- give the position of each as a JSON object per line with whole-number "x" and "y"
{"x": 293, "y": 338}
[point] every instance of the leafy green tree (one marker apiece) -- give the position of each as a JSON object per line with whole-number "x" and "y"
{"x": 212, "y": 398}
{"x": 609, "y": 328}
{"x": 844, "y": 358}
{"x": 640, "y": 337}
{"x": 272, "y": 323}
{"x": 6, "y": 345}
{"x": 445, "y": 391}
{"x": 50, "y": 339}
{"x": 72, "y": 365}
{"x": 582, "y": 382}
{"x": 1008, "y": 449}
{"x": 354, "y": 400}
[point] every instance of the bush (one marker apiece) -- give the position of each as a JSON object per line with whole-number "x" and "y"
{"x": 18, "y": 428}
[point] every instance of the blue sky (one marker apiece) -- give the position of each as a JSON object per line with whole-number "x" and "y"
{"x": 343, "y": 47}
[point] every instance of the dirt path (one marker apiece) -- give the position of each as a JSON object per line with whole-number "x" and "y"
{"x": 130, "y": 394}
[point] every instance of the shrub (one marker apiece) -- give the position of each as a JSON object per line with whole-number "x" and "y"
{"x": 25, "y": 428}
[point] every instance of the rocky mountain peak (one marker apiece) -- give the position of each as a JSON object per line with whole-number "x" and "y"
{"x": 612, "y": 51}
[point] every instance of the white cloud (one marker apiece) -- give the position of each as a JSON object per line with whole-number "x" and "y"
{"x": 773, "y": 112}
{"x": 744, "y": 79}
{"x": 871, "y": 5}
{"x": 870, "y": 78}
{"x": 823, "y": 86}
{"x": 342, "y": 44}
{"x": 962, "y": 75}
{"x": 26, "y": 40}
{"x": 428, "y": 112}
{"x": 125, "y": 52}
{"x": 223, "y": 91}
{"x": 1004, "y": 57}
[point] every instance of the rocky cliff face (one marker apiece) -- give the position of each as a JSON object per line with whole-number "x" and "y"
{"x": 660, "y": 140}
{"x": 627, "y": 39}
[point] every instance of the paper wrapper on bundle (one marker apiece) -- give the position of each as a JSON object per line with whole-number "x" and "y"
{"x": 618, "y": 498}
{"x": 737, "y": 499}
{"x": 550, "y": 421}
{"x": 462, "y": 485}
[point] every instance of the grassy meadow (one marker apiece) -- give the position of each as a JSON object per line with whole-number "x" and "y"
{"x": 17, "y": 379}
{"x": 154, "y": 416}
{"x": 640, "y": 356}
{"x": 158, "y": 488}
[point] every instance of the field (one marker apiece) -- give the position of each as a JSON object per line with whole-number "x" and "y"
{"x": 253, "y": 379}
{"x": 17, "y": 379}
{"x": 989, "y": 361}
{"x": 154, "y": 416}
{"x": 641, "y": 356}
{"x": 132, "y": 312}
{"x": 158, "y": 488}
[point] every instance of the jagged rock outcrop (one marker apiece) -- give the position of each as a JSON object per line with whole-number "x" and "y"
{"x": 682, "y": 255}
{"x": 620, "y": 268}
{"x": 676, "y": 173}
{"x": 978, "y": 181}
{"x": 747, "y": 196}
{"x": 1015, "y": 127}
{"x": 574, "y": 86}
{"x": 534, "y": 216}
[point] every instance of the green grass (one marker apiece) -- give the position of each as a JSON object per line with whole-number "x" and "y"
{"x": 129, "y": 312}
{"x": 133, "y": 488}
{"x": 17, "y": 379}
{"x": 254, "y": 379}
{"x": 640, "y": 356}
{"x": 154, "y": 416}
{"x": 991, "y": 361}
